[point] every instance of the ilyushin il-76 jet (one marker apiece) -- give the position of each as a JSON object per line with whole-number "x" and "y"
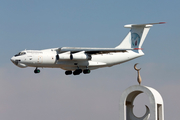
{"x": 77, "y": 60}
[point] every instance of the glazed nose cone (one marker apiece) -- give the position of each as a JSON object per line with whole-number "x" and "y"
{"x": 13, "y": 60}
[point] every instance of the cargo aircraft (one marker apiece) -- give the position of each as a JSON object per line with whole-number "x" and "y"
{"x": 75, "y": 60}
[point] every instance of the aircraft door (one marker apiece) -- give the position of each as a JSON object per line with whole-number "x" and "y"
{"x": 40, "y": 59}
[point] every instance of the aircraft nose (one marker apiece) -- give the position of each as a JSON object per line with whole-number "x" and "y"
{"x": 12, "y": 59}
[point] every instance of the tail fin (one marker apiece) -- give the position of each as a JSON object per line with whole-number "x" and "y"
{"x": 136, "y": 35}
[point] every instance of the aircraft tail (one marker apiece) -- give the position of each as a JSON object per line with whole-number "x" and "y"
{"x": 136, "y": 35}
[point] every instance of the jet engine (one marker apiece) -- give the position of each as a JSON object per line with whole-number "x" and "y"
{"x": 64, "y": 56}
{"x": 81, "y": 56}
{"x": 76, "y": 56}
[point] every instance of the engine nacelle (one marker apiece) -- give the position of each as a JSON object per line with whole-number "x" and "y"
{"x": 64, "y": 56}
{"x": 75, "y": 56}
{"x": 81, "y": 56}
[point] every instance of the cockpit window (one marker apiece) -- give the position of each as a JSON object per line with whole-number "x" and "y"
{"x": 20, "y": 53}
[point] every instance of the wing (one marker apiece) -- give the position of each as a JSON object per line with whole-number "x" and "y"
{"x": 91, "y": 50}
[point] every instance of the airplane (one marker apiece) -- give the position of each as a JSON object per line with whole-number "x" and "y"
{"x": 75, "y": 60}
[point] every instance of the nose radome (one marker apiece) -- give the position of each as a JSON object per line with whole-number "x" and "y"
{"x": 13, "y": 59}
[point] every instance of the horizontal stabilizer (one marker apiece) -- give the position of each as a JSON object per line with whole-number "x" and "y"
{"x": 142, "y": 25}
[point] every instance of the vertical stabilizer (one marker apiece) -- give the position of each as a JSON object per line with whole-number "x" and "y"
{"x": 136, "y": 35}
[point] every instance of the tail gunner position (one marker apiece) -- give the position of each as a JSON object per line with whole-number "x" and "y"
{"x": 75, "y": 60}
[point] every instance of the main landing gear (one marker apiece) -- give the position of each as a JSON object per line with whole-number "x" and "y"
{"x": 77, "y": 72}
{"x": 37, "y": 70}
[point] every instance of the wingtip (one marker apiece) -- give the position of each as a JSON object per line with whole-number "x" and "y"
{"x": 162, "y": 22}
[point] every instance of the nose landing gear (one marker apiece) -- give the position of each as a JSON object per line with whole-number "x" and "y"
{"x": 37, "y": 71}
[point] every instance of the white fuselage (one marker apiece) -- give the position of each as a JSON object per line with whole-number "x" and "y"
{"x": 48, "y": 59}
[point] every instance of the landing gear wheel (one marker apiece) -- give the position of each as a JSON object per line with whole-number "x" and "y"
{"x": 77, "y": 72}
{"x": 86, "y": 71}
{"x": 37, "y": 71}
{"x": 68, "y": 72}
